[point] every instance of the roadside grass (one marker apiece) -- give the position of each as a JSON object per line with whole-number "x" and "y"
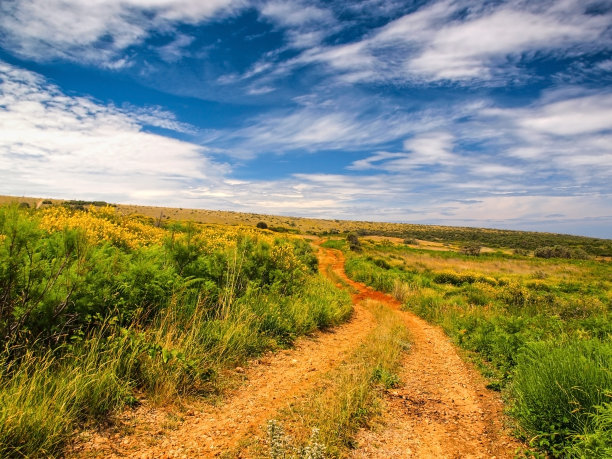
{"x": 89, "y": 326}
{"x": 348, "y": 398}
{"x": 541, "y": 330}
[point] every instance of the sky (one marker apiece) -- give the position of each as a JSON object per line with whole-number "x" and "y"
{"x": 471, "y": 113}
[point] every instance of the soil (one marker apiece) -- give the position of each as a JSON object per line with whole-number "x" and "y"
{"x": 442, "y": 408}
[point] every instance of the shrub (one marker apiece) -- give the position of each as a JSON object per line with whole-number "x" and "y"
{"x": 262, "y": 225}
{"x": 557, "y": 388}
{"x": 353, "y": 242}
{"x": 471, "y": 249}
{"x": 559, "y": 251}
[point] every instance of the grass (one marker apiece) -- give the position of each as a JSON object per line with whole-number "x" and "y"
{"x": 45, "y": 398}
{"x": 88, "y": 326}
{"x": 430, "y": 234}
{"x": 540, "y": 329}
{"x": 557, "y": 388}
{"x": 350, "y": 395}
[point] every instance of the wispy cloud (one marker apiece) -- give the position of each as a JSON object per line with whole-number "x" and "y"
{"x": 58, "y": 145}
{"x": 97, "y": 32}
{"x": 461, "y": 41}
{"x": 306, "y": 25}
{"x": 319, "y": 126}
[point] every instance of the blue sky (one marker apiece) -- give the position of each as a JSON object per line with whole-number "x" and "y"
{"x": 493, "y": 113}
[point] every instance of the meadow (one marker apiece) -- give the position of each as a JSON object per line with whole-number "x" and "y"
{"x": 538, "y": 328}
{"x": 99, "y": 309}
{"x": 103, "y": 306}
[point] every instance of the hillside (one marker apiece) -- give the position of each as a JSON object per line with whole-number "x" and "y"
{"x": 492, "y": 238}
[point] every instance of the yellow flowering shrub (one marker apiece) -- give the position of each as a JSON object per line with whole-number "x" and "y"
{"x": 102, "y": 224}
{"x": 105, "y": 224}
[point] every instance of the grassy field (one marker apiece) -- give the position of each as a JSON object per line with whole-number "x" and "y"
{"x": 157, "y": 302}
{"x": 98, "y": 309}
{"x": 432, "y": 235}
{"x": 540, "y": 329}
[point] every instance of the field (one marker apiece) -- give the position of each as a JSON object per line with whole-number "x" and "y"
{"x": 136, "y": 322}
{"x": 538, "y": 328}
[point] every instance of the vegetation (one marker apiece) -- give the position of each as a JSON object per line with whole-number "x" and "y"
{"x": 353, "y": 242}
{"x": 350, "y": 396}
{"x": 540, "y": 329}
{"x": 97, "y": 308}
{"x": 524, "y": 241}
{"x": 559, "y": 251}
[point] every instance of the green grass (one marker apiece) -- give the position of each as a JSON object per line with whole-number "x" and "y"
{"x": 87, "y": 327}
{"x": 556, "y": 389}
{"x": 540, "y": 329}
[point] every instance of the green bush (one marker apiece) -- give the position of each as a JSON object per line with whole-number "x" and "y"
{"x": 557, "y": 388}
{"x": 559, "y": 251}
{"x": 84, "y": 324}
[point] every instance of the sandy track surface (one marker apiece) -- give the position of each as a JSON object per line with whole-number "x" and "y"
{"x": 271, "y": 383}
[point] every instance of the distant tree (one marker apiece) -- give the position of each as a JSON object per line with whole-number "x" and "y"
{"x": 559, "y": 251}
{"x": 471, "y": 249}
{"x": 262, "y": 225}
{"x": 353, "y": 242}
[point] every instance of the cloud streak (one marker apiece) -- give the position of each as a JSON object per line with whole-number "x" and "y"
{"x": 97, "y": 32}
{"x": 54, "y": 144}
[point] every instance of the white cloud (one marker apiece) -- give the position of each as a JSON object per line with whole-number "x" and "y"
{"x": 97, "y": 31}
{"x": 305, "y": 25}
{"x": 318, "y": 126}
{"x": 574, "y": 116}
{"x": 568, "y": 131}
{"x": 474, "y": 48}
{"x": 462, "y": 41}
{"x": 56, "y": 145}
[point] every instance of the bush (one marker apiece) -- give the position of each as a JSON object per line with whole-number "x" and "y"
{"x": 471, "y": 249}
{"x": 557, "y": 388}
{"x": 262, "y": 225}
{"x": 559, "y": 251}
{"x": 353, "y": 242}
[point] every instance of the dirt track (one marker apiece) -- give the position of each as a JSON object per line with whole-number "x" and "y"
{"x": 442, "y": 410}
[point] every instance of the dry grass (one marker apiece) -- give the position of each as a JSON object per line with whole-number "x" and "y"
{"x": 521, "y": 267}
{"x": 349, "y": 396}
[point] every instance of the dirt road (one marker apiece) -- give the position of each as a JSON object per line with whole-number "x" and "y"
{"x": 442, "y": 409}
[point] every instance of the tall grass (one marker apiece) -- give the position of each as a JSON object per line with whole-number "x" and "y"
{"x": 557, "y": 388}
{"x": 87, "y": 326}
{"x": 42, "y": 398}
